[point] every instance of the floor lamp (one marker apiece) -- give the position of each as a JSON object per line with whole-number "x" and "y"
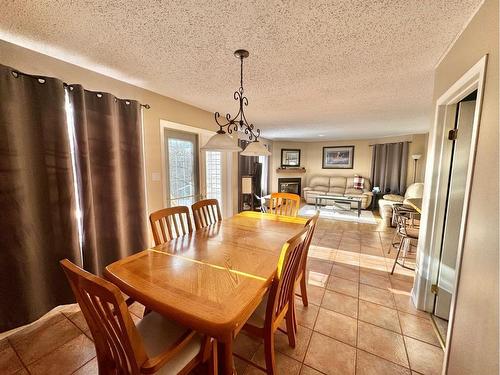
{"x": 415, "y": 158}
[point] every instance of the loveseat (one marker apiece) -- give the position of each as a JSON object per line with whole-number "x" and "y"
{"x": 385, "y": 205}
{"x": 339, "y": 187}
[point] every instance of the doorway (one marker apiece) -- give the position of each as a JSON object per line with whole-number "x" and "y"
{"x": 445, "y": 203}
{"x": 458, "y": 148}
{"x": 182, "y": 167}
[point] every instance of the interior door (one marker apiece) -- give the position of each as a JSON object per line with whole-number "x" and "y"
{"x": 454, "y": 206}
{"x": 182, "y": 166}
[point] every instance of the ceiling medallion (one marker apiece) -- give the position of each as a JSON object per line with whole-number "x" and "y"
{"x": 222, "y": 141}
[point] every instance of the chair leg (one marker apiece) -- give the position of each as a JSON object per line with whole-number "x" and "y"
{"x": 213, "y": 365}
{"x": 290, "y": 327}
{"x": 303, "y": 290}
{"x": 397, "y": 256}
{"x": 294, "y": 312}
{"x": 269, "y": 352}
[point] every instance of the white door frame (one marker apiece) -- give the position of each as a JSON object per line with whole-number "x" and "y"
{"x": 432, "y": 206}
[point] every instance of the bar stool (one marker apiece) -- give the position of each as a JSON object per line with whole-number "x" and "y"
{"x": 406, "y": 234}
{"x": 409, "y": 212}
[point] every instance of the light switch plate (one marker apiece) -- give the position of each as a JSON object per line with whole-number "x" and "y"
{"x": 155, "y": 176}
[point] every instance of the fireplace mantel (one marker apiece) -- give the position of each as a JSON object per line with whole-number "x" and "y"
{"x": 291, "y": 170}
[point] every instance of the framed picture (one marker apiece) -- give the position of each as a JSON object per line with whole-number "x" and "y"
{"x": 338, "y": 157}
{"x": 290, "y": 157}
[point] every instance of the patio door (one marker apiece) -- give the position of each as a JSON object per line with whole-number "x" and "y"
{"x": 182, "y": 164}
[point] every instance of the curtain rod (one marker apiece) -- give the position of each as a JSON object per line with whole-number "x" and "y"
{"x": 16, "y": 73}
{"x": 388, "y": 143}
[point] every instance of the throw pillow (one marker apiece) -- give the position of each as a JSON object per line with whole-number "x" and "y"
{"x": 358, "y": 182}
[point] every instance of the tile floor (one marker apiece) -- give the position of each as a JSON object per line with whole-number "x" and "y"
{"x": 360, "y": 320}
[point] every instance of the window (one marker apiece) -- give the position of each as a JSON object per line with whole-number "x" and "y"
{"x": 214, "y": 175}
{"x": 182, "y": 173}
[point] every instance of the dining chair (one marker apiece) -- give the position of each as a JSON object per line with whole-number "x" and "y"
{"x": 301, "y": 273}
{"x": 155, "y": 345}
{"x": 286, "y": 204}
{"x": 170, "y": 223}
{"x": 206, "y": 212}
{"x": 277, "y": 304}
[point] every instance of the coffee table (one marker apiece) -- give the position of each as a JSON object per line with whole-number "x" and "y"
{"x": 338, "y": 199}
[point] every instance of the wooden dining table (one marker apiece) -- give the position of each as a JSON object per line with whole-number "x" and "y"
{"x": 210, "y": 280}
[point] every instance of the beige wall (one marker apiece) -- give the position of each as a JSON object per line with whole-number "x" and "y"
{"x": 312, "y": 154}
{"x": 161, "y": 107}
{"x": 474, "y": 343}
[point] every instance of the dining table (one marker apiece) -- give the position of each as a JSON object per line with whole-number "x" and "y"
{"x": 210, "y": 280}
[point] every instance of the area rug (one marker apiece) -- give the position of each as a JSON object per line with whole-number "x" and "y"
{"x": 338, "y": 213}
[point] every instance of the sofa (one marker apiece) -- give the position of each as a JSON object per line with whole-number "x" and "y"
{"x": 337, "y": 186}
{"x": 385, "y": 205}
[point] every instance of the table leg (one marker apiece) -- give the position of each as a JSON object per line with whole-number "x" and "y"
{"x": 226, "y": 363}
{"x": 359, "y": 209}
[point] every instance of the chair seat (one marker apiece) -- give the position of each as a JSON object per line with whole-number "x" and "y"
{"x": 159, "y": 333}
{"x": 258, "y": 318}
{"x": 411, "y": 233}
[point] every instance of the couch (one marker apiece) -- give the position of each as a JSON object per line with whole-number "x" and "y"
{"x": 337, "y": 186}
{"x": 385, "y": 205}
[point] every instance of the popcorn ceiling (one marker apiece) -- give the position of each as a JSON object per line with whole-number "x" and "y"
{"x": 342, "y": 69}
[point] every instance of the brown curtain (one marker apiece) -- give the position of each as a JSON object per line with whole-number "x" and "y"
{"x": 111, "y": 176}
{"x": 37, "y": 201}
{"x": 390, "y": 166}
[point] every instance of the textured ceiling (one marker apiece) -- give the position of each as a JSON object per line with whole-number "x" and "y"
{"x": 340, "y": 69}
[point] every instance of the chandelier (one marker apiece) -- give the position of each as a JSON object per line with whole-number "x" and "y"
{"x": 222, "y": 140}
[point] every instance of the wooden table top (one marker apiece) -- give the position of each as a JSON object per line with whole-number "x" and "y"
{"x": 212, "y": 279}
{"x": 416, "y": 203}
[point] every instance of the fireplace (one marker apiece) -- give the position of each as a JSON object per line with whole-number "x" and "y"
{"x": 289, "y": 185}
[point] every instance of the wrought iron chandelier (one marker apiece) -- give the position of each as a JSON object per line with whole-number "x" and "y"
{"x": 222, "y": 141}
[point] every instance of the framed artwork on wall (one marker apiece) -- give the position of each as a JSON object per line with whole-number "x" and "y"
{"x": 290, "y": 157}
{"x": 338, "y": 157}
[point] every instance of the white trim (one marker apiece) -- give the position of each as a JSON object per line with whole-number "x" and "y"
{"x": 466, "y": 24}
{"x": 428, "y": 259}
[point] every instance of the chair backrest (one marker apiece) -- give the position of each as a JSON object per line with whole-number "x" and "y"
{"x": 119, "y": 347}
{"x": 206, "y": 212}
{"x": 286, "y": 204}
{"x": 311, "y": 225}
{"x": 170, "y": 223}
{"x": 401, "y": 214}
{"x": 282, "y": 289}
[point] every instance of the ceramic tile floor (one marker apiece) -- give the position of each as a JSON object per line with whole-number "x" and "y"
{"x": 360, "y": 320}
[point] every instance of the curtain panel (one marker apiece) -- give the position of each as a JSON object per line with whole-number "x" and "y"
{"x": 108, "y": 133}
{"x": 38, "y": 224}
{"x": 390, "y": 167}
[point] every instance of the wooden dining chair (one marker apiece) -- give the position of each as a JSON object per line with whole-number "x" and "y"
{"x": 155, "y": 345}
{"x": 301, "y": 273}
{"x": 286, "y": 204}
{"x": 206, "y": 212}
{"x": 170, "y": 223}
{"x": 277, "y": 304}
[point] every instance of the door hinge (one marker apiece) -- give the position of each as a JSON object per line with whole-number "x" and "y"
{"x": 434, "y": 289}
{"x": 452, "y": 134}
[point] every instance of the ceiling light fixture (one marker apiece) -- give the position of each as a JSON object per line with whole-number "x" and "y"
{"x": 222, "y": 141}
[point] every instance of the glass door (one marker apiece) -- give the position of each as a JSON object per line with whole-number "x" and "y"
{"x": 182, "y": 167}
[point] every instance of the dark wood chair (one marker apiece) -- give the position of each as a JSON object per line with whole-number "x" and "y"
{"x": 155, "y": 345}
{"x": 277, "y": 305}
{"x": 301, "y": 273}
{"x": 286, "y": 204}
{"x": 170, "y": 223}
{"x": 206, "y": 212}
